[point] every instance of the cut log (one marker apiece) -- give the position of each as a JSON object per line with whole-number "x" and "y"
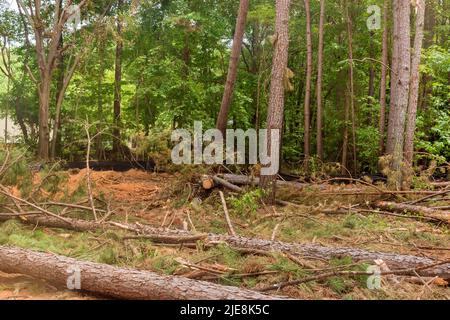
{"x": 207, "y": 182}
{"x": 227, "y": 184}
{"x": 393, "y": 260}
{"x": 420, "y": 210}
{"x": 254, "y": 181}
{"x": 116, "y": 282}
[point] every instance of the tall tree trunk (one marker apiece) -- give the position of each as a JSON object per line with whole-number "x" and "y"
{"x": 118, "y": 83}
{"x": 384, "y": 72}
{"x": 371, "y": 93}
{"x": 222, "y": 119}
{"x": 319, "y": 82}
{"x": 7, "y": 111}
{"x": 44, "y": 102}
{"x": 99, "y": 140}
{"x": 351, "y": 85}
{"x": 430, "y": 23}
{"x": 400, "y": 89}
{"x": 59, "y": 89}
{"x": 344, "y": 159}
{"x": 277, "y": 89}
{"x": 309, "y": 62}
{"x": 415, "y": 80}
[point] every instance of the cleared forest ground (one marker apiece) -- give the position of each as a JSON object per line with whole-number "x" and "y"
{"x": 332, "y": 215}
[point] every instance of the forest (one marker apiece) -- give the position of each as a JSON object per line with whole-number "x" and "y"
{"x": 225, "y": 150}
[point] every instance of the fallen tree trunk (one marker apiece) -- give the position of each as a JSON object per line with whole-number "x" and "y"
{"x": 69, "y": 224}
{"x": 420, "y": 210}
{"x": 117, "y": 282}
{"x": 393, "y": 260}
{"x": 441, "y": 184}
{"x": 226, "y": 184}
{"x": 254, "y": 181}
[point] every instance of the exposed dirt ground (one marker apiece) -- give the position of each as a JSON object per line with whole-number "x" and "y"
{"x": 173, "y": 201}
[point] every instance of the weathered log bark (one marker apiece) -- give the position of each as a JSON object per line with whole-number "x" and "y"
{"x": 254, "y": 181}
{"x": 117, "y": 282}
{"x": 393, "y": 260}
{"x": 40, "y": 220}
{"x": 425, "y": 211}
{"x": 227, "y": 184}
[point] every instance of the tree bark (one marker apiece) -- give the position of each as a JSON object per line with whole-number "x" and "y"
{"x": 415, "y": 80}
{"x": 277, "y": 90}
{"x": 430, "y": 23}
{"x": 59, "y": 88}
{"x": 117, "y": 282}
{"x": 400, "y": 89}
{"x": 371, "y": 93}
{"x": 118, "y": 82}
{"x": 44, "y": 103}
{"x": 319, "y": 82}
{"x": 254, "y": 181}
{"x": 420, "y": 210}
{"x": 352, "y": 85}
{"x": 383, "y": 81}
{"x": 344, "y": 159}
{"x": 222, "y": 119}
{"x": 309, "y": 62}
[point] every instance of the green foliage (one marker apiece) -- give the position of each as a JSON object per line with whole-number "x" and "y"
{"x": 165, "y": 264}
{"x": 108, "y": 256}
{"x": 228, "y": 255}
{"x": 175, "y": 63}
{"x": 367, "y": 145}
{"x": 247, "y": 203}
{"x": 285, "y": 265}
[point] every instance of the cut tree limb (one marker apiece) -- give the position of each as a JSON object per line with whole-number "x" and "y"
{"x": 227, "y": 184}
{"x": 5, "y": 192}
{"x": 117, "y": 282}
{"x": 227, "y": 216}
{"x": 254, "y": 181}
{"x": 420, "y": 210}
